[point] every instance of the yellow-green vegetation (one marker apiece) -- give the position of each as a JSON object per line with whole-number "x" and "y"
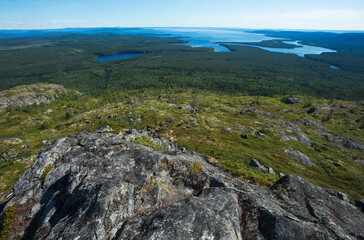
{"x": 196, "y": 168}
{"x": 45, "y": 173}
{"x": 146, "y": 141}
{"x": 5, "y": 225}
{"x": 214, "y": 130}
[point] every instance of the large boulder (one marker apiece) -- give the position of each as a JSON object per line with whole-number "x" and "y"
{"x": 101, "y": 186}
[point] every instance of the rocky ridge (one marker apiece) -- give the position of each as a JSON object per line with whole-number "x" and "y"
{"x": 102, "y": 186}
{"x": 30, "y": 94}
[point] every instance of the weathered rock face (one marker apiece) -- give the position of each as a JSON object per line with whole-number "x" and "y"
{"x": 30, "y": 94}
{"x": 104, "y": 187}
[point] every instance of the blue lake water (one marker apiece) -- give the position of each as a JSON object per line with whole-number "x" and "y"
{"x": 301, "y": 50}
{"x": 194, "y": 37}
{"x": 334, "y": 67}
{"x": 118, "y": 56}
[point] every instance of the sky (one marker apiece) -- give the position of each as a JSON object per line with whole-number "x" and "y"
{"x": 251, "y": 14}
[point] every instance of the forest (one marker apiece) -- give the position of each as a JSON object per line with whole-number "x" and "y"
{"x": 70, "y": 60}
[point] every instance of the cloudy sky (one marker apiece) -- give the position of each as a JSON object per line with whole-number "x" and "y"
{"x": 278, "y": 14}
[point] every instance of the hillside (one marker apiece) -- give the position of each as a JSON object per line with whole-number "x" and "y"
{"x": 109, "y": 186}
{"x": 320, "y": 140}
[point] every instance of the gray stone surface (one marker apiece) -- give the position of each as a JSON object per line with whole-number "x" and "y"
{"x": 292, "y": 132}
{"x": 30, "y": 94}
{"x": 102, "y": 186}
{"x": 260, "y": 167}
{"x": 299, "y": 157}
{"x": 291, "y": 100}
{"x": 254, "y": 111}
{"x": 352, "y": 143}
{"x": 360, "y": 162}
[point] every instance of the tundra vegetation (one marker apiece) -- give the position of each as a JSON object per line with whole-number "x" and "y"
{"x": 194, "y": 97}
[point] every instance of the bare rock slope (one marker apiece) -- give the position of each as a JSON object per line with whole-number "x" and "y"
{"x": 30, "y": 94}
{"x": 101, "y": 186}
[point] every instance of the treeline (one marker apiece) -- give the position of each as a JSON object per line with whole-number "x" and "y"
{"x": 70, "y": 60}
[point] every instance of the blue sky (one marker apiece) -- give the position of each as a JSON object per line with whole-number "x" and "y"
{"x": 292, "y": 14}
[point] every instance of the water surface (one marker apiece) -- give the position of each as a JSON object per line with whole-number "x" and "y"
{"x": 118, "y": 56}
{"x": 194, "y": 37}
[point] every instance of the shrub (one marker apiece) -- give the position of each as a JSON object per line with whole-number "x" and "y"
{"x": 9, "y": 216}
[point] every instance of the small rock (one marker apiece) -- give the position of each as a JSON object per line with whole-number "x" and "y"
{"x": 352, "y": 143}
{"x": 316, "y": 109}
{"x": 271, "y": 170}
{"x": 104, "y": 129}
{"x": 291, "y": 100}
{"x": 299, "y": 157}
{"x": 193, "y": 120}
{"x": 244, "y": 136}
{"x": 163, "y": 124}
{"x": 261, "y": 134}
{"x": 11, "y": 140}
{"x": 341, "y": 149}
{"x": 257, "y": 112}
{"x": 281, "y": 174}
{"x": 256, "y": 164}
{"x": 112, "y": 116}
{"x": 360, "y": 162}
{"x": 48, "y": 111}
{"x": 327, "y": 138}
{"x": 186, "y": 107}
{"x": 100, "y": 117}
{"x": 360, "y": 204}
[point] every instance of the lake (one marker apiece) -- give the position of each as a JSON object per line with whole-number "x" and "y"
{"x": 301, "y": 50}
{"x": 118, "y": 56}
{"x": 194, "y": 37}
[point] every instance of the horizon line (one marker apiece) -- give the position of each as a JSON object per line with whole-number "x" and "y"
{"x": 97, "y": 27}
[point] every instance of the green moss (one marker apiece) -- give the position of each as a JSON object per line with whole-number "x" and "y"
{"x": 146, "y": 141}
{"x": 6, "y": 223}
{"x": 45, "y": 173}
{"x": 196, "y": 168}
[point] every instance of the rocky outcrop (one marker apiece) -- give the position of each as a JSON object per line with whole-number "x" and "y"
{"x": 297, "y": 135}
{"x": 299, "y": 157}
{"x": 291, "y": 100}
{"x": 313, "y": 124}
{"x": 260, "y": 167}
{"x": 360, "y": 162}
{"x": 256, "y": 112}
{"x": 101, "y": 186}
{"x": 352, "y": 143}
{"x": 318, "y": 109}
{"x": 30, "y": 94}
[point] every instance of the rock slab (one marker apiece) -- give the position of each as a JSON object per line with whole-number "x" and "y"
{"x": 101, "y": 186}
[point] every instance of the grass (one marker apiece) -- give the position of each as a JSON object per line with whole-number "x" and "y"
{"x": 45, "y": 173}
{"x": 73, "y": 113}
